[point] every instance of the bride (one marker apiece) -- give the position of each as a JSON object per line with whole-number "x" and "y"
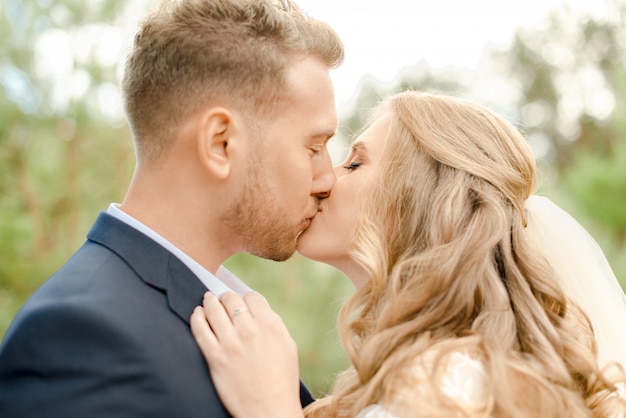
{"x": 475, "y": 298}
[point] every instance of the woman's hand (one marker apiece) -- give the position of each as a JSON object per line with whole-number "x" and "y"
{"x": 252, "y": 358}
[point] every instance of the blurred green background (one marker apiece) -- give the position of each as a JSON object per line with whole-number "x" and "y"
{"x": 66, "y": 152}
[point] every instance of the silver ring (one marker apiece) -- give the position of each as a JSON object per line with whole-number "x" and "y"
{"x": 238, "y": 311}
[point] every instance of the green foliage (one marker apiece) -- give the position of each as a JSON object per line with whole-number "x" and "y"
{"x": 61, "y": 161}
{"x": 599, "y": 185}
{"x": 569, "y": 69}
{"x": 572, "y": 100}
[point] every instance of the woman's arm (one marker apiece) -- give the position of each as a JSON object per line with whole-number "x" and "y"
{"x": 252, "y": 358}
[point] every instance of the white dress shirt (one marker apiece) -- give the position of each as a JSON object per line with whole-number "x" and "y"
{"x": 218, "y": 283}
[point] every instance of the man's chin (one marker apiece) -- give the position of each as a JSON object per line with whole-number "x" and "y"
{"x": 276, "y": 254}
{"x": 283, "y": 255}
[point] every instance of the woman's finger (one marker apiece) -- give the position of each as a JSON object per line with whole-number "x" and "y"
{"x": 257, "y": 304}
{"x": 202, "y": 332}
{"x": 236, "y": 306}
{"x": 217, "y": 317}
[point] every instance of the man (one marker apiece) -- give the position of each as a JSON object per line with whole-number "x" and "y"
{"x": 231, "y": 108}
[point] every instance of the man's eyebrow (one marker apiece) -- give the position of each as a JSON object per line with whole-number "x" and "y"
{"x": 325, "y": 135}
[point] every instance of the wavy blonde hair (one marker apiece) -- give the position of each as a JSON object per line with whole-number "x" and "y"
{"x": 441, "y": 234}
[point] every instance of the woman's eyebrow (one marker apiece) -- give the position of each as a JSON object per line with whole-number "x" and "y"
{"x": 359, "y": 148}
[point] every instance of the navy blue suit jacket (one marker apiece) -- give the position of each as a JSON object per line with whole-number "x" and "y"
{"x": 108, "y": 336}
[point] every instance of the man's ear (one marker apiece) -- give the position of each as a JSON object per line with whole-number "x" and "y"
{"x": 215, "y": 137}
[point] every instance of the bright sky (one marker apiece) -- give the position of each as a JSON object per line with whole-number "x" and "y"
{"x": 382, "y": 37}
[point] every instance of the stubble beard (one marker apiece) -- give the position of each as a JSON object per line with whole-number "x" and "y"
{"x": 262, "y": 227}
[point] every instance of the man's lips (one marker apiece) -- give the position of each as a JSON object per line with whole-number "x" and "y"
{"x": 308, "y": 219}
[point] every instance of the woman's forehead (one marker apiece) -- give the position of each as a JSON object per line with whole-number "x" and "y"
{"x": 373, "y": 140}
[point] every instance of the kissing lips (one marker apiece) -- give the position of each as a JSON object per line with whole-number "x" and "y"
{"x": 310, "y": 218}
{"x": 307, "y": 222}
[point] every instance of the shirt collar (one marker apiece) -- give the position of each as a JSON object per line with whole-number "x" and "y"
{"x": 222, "y": 281}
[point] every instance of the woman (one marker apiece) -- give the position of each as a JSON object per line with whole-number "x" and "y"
{"x": 457, "y": 310}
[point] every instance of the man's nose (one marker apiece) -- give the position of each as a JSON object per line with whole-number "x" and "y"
{"x": 324, "y": 177}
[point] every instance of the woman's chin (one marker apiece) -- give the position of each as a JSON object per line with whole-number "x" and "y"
{"x": 305, "y": 250}
{"x": 304, "y": 242}
{"x": 312, "y": 249}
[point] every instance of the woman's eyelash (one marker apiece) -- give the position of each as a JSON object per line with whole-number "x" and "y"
{"x": 353, "y": 166}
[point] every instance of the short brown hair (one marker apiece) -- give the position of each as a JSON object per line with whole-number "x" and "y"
{"x": 192, "y": 51}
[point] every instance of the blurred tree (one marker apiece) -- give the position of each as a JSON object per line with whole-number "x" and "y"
{"x": 370, "y": 92}
{"x": 64, "y": 149}
{"x": 572, "y": 100}
{"x": 570, "y": 73}
{"x": 598, "y": 179}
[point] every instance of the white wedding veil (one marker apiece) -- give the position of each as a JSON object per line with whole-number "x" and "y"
{"x": 583, "y": 273}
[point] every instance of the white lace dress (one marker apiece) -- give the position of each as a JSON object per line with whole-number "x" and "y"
{"x": 464, "y": 381}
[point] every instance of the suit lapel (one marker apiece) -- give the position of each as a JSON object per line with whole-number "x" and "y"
{"x": 185, "y": 290}
{"x": 153, "y": 264}
{"x": 158, "y": 268}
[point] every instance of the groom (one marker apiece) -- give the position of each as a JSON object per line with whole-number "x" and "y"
{"x": 231, "y": 107}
